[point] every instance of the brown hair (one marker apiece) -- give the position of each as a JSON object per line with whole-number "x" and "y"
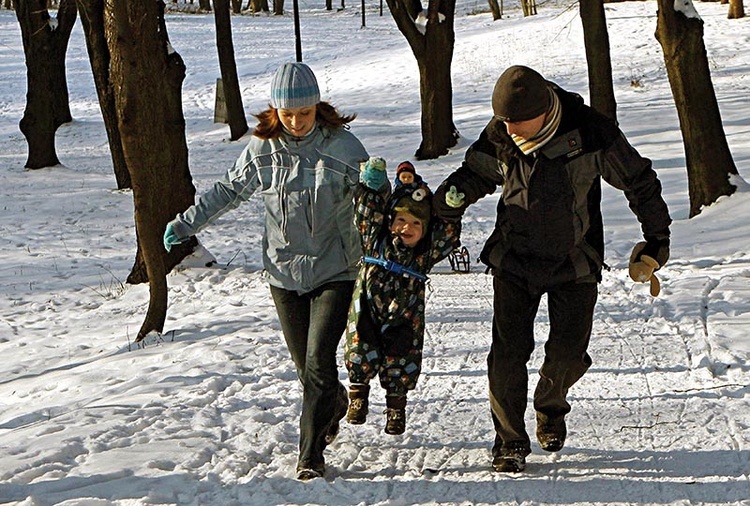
{"x": 269, "y": 125}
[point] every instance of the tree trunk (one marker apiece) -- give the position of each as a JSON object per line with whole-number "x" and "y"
{"x": 598, "y": 59}
{"x": 45, "y": 42}
{"x": 496, "y": 9}
{"x": 278, "y": 7}
{"x": 528, "y": 7}
{"x": 434, "y": 53}
{"x": 147, "y": 77}
{"x": 258, "y": 6}
{"x": 436, "y": 93}
{"x": 204, "y": 5}
{"x": 414, "y": 7}
{"x": 707, "y": 157}
{"x": 66, "y": 19}
{"x": 230, "y": 81}
{"x": 736, "y": 9}
{"x": 92, "y": 18}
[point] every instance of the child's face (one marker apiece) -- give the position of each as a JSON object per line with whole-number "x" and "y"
{"x": 406, "y": 177}
{"x": 409, "y": 227}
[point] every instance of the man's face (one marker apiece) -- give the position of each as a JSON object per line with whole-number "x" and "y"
{"x": 525, "y": 129}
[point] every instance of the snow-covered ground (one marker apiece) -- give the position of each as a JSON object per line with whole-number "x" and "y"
{"x": 208, "y": 414}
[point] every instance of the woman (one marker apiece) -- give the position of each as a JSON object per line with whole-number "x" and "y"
{"x": 305, "y": 164}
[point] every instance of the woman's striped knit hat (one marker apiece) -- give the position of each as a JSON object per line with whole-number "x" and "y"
{"x": 294, "y": 85}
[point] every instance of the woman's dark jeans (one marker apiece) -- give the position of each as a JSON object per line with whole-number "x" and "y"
{"x": 313, "y": 324}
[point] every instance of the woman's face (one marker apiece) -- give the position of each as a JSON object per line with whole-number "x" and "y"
{"x": 298, "y": 120}
{"x": 409, "y": 227}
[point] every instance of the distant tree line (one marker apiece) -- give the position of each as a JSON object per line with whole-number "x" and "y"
{"x": 138, "y": 77}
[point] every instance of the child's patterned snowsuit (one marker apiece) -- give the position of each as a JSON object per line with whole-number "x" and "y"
{"x": 385, "y": 333}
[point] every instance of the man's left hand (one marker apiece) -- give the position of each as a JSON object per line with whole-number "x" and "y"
{"x": 642, "y": 267}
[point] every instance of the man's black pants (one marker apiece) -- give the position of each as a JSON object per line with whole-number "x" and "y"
{"x": 571, "y": 309}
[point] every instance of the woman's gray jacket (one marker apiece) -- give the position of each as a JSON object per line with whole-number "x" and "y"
{"x": 307, "y": 185}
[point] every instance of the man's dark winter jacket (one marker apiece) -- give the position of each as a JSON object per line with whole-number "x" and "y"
{"x": 549, "y": 225}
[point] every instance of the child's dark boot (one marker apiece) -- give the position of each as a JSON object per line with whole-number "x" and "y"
{"x": 358, "y": 409}
{"x": 395, "y": 414}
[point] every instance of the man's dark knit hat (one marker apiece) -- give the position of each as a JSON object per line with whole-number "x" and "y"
{"x": 520, "y": 94}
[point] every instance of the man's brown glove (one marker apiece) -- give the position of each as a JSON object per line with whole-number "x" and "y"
{"x": 642, "y": 268}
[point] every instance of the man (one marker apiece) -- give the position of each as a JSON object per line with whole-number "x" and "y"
{"x": 548, "y": 151}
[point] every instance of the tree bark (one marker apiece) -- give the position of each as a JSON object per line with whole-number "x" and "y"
{"x": 433, "y": 50}
{"x": 496, "y": 9}
{"x": 229, "y": 80}
{"x": 45, "y": 42}
{"x": 736, "y": 9}
{"x": 92, "y": 18}
{"x": 414, "y": 7}
{"x": 598, "y": 58}
{"x": 148, "y": 77}
{"x": 528, "y": 7}
{"x": 707, "y": 157}
{"x": 258, "y": 6}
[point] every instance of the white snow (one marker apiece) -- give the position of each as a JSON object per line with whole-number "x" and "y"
{"x": 207, "y": 413}
{"x": 687, "y": 8}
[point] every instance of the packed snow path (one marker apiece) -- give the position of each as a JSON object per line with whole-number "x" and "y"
{"x": 209, "y": 415}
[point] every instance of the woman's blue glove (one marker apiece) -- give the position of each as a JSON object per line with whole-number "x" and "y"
{"x": 175, "y": 233}
{"x": 372, "y": 173}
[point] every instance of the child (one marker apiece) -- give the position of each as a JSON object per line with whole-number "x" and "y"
{"x": 385, "y": 335}
{"x": 406, "y": 174}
